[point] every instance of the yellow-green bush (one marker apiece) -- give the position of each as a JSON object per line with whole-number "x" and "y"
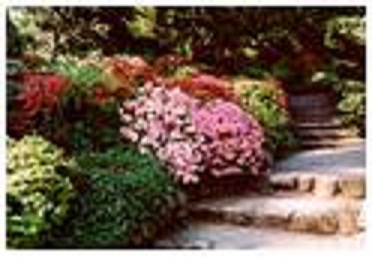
{"x": 38, "y": 194}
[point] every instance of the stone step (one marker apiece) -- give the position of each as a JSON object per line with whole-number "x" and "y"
{"x": 290, "y": 212}
{"x": 329, "y": 124}
{"x": 323, "y": 172}
{"x": 348, "y": 185}
{"x": 327, "y": 143}
{"x": 226, "y": 236}
{"x": 352, "y": 186}
{"x": 324, "y": 133}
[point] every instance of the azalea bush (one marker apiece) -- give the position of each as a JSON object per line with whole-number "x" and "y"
{"x": 37, "y": 99}
{"x": 205, "y": 87}
{"x": 167, "y": 65}
{"x": 38, "y": 192}
{"x": 232, "y": 139}
{"x": 123, "y": 74}
{"x": 125, "y": 199}
{"x": 190, "y": 137}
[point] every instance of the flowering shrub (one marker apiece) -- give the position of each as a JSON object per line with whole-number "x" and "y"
{"x": 232, "y": 139}
{"x": 159, "y": 120}
{"x": 192, "y": 138}
{"x": 168, "y": 64}
{"x": 122, "y": 74}
{"x": 38, "y": 194}
{"x": 38, "y": 97}
{"x": 206, "y": 87}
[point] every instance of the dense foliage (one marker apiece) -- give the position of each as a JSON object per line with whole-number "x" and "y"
{"x": 346, "y": 73}
{"x": 192, "y": 138}
{"x": 38, "y": 193}
{"x": 161, "y": 85}
{"x": 267, "y": 104}
{"x": 352, "y": 105}
{"x": 124, "y": 199}
{"x": 218, "y": 36}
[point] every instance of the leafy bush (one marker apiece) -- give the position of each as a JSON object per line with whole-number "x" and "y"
{"x": 38, "y": 194}
{"x": 125, "y": 198}
{"x": 351, "y": 97}
{"x": 351, "y": 28}
{"x": 172, "y": 125}
{"x": 81, "y": 125}
{"x": 352, "y": 104}
{"x": 267, "y": 105}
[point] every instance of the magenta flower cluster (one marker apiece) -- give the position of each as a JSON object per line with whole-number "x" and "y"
{"x": 190, "y": 137}
{"x": 232, "y": 139}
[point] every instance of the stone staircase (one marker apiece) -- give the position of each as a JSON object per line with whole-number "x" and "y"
{"x": 329, "y": 133}
{"x": 314, "y": 198}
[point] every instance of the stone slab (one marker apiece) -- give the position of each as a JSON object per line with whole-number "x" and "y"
{"x": 325, "y": 172}
{"x": 223, "y": 236}
{"x": 292, "y": 212}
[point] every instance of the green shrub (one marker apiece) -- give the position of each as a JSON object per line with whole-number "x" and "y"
{"x": 352, "y": 104}
{"x": 351, "y": 97}
{"x": 264, "y": 103}
{"x": 124, "y": 198}
{"x": 38, "y": 195}
{"x": 82, "y": 134}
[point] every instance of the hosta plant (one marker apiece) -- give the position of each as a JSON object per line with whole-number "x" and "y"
{"x": 38, "y": 194}
{"x": 190, "y": 137}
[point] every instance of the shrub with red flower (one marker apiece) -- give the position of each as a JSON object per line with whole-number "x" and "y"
{"x": 38, "y": 98}
{"x": 123, "y": 74}
{"x": 193, "y": 138}
{"x": 205, "y": 87}
{"x": 167, "y": 64}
